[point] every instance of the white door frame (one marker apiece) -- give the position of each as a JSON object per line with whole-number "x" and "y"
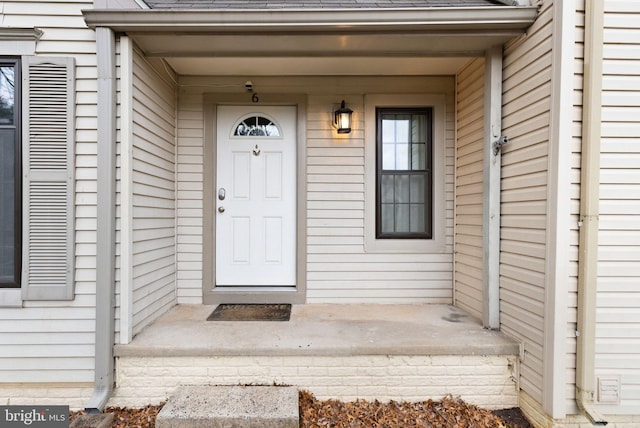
{"x": 213, "y": 294}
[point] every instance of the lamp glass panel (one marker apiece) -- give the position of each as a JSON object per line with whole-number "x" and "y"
{"x": 344, "y": 120}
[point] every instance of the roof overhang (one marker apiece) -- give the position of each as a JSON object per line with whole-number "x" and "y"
{"x": 498, "y": 18}
{"x": 195, "y": 40}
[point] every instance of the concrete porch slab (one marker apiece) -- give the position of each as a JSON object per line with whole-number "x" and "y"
{"x": 346, "y": 352}
{"x": 321, "y": 330}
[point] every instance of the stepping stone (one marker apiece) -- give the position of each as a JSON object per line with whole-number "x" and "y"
{"x": 98, "y": 420}
{"x": 231, "y": 406}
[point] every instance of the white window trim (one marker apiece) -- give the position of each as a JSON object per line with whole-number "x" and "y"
{"x": 19, "y": 41}
{"x": 437, "y": 244}
{"x": 16, "y": 42}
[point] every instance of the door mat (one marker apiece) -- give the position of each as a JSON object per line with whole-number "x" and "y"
{"x": 229, "y": 312}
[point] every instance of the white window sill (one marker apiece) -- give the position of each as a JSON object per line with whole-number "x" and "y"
{"x": 10, "y": 298}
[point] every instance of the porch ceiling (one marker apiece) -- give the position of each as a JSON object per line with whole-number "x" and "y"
{"x": 317, "y": 41}
{"x": 316, "y": 54}
{"x": 325, "y": 66}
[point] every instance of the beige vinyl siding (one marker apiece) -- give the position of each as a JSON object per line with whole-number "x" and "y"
{"x": 618, "y": 304}
{"x": 339, "y": 269}
{"x": 153, "y": 192}
{"x": 526, "y": 105}
{"x": 54, "y": 341}
{"x": 469, "y": 187}
{"x": 190, "y": 187}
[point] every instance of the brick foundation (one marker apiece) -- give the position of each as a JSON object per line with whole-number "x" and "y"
{"x": 487, "y": 381}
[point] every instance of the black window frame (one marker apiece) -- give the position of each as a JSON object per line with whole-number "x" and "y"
{"x": 427, "y": 172}
{"x": 17, "y": 106}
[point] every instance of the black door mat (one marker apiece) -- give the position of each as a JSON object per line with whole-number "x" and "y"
{"x": 229, "y": 312}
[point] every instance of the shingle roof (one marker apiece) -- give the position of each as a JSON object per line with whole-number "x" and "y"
{"x": 315, "y": 4}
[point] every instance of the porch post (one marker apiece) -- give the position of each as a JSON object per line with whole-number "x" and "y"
{"x": 105, "y": 228}
{"x": 558, "y": 212}
{"x": 126, "y": 189}
{"x": 491, "y": 188}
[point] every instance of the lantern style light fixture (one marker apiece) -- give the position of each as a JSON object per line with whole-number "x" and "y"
{"x": 342, "y": 119}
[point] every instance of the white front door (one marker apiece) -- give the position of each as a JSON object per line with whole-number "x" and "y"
{"x": 256, "y": 196}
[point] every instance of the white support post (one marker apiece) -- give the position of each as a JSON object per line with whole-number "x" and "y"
{"x": 556, "y": 296}
{"x": 491, "y": 189}
{"x": 126, "y": 190}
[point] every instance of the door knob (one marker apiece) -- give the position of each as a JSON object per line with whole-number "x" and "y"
{"x": 220, "y": 209}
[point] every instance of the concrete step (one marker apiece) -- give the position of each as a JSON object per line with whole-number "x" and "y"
{"x": 231, "y": 406}
{"x": 98, "y": 420}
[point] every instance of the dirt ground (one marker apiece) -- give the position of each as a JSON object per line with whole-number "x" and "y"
{"x": 450, "y": 412}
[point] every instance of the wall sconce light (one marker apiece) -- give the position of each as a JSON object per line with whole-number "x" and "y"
{"x": 342, "y": 119}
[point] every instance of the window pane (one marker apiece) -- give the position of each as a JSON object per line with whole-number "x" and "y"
{"x": 388, "y": 157}
{"x": 418, "y": 131}
{"x": 401, "y": 189}
{"x": 418, "y": 159}
{"x": 417, "y": 221}
{"x": 417, "y": 189}
{"x": 387, "y": 218}
{"x": 7, "y": 92}
{"x": 388, "y": 130}
{"x": 386, "y": 190}
{"x": 7, "y": 204}
{"x": 402, "y": 218}
{"x": 8, "y": 146}
{"x": 402, "y": 128}
{"x": 402, "y": 157}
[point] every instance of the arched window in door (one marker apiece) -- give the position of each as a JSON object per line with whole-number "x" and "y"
{"x": 256, "y": 126}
